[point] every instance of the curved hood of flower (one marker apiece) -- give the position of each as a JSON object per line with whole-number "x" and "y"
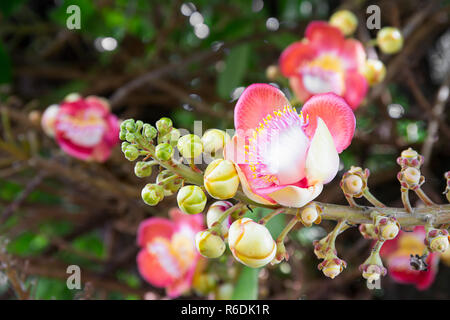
{"x": 397, "y": 253}
{"x": 324, "y": 61}
{"x": 284, "y": 157}
{"x": 86, "y": 129}
{"x": 168, "y": 256}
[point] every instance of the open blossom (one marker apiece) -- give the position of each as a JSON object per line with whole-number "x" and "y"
{"x": 284, "y": 157}
{"x": 397, "y": 253}
{"x": 84, "y": 128}
{"x": 324, "y": 61}
{"x": 168, "y": 257}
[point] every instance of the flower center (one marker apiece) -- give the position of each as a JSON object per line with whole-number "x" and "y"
{"x": 277, "y": 150}
{"x": 324, "y": 74}
{"x": 84, "y": 129}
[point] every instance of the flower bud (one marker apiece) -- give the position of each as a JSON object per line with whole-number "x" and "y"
{"x": 131, "y": 152}
{"x": 374, "y": 71}
{"x": 332, "y": 267}
{"x": 71, "y": 97}
{"x": 191, "y": 199}
{"x": 142, "y": 169}
{"x": 164, "y": 125}
{"x": 310, "y": 214}
{"x": 130, "y": 137}
{"x": 410, "y": 158}
{"x": 345, "y": 21}
{"x": 164, "y": 151}
{"x": 367, "y": 230}
{"x": 387, "y": 228}
{"x": 437, "y": 240}
{"x": 411, "y": 175}
{"x": 209, "y": 245}
{"x": 152, "y": 194}
{"x": 171, "y": 185}
{"x": 190, "y": 146}
{"x": 389, "y": 40}
{"x": 48, "y": 119}
{"x": 221, "y": 179}
{"x": 354, "y": 182}
{"x": 215, "y": 211}
{"x": 139, "y": 125}
{"x": 149, "y": 131}
{"x": 372, "y": 272}
{"x": 251, "y": 243}
{"x": 129, "y": 125}
{"x": 214, "y": 140}
{"x": 272, "y": 73}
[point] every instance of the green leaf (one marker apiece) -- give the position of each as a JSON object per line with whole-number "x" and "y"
{"x": 5, "y": 66}
{"x": 232, "y": 76}
{"x": 247, "y": 285}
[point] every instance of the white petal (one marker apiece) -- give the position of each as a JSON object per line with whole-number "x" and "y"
{"x": 292, "y": 196}
{"x": 322, "y": 162}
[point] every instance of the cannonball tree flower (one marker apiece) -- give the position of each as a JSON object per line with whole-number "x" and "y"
{"x": 324, "y": 61}
{"x": 168, "y": 257}
{"x": 397, "y": 254}
{"x": 84, "y": 128}
{"x": 284, "y": 157}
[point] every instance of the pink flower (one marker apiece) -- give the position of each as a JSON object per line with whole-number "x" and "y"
{"x": 84, "y": 128}
{"x": 323, "y": 62}
{"x": 397, "y": 256}
{"x": 168, "y": 257}
{"x": 284, "y": 157}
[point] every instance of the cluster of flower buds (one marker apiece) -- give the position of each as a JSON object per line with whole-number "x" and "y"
{"x": 251, "y": 243}
{"x": 389, "y": 40}
{"x": 410, "y": 177}
{"x": 354, "y": 182}
{"x": 310, "y": 214}
{"x": 386, "y": 228}
{"x": 437, "y": 240}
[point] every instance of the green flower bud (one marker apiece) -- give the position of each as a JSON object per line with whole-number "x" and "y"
{"x": 164, "y": 151}
{"x": 191, "y": 199}
{"x": 122, "y": 134}
{"x": 124, "y": 146}
{"x": 130, "y": 137}
{"x": 209, "y": 245}
{"x": 190, "y": 146}
{"x": 142, "y": 169}
{"x": 164, "y": 125}
{"x": 390, "y": 40}
{"x": 131, "y": 152}
{"x": 152, "y": 194}
{"x": 170, "y": 185}
{"x": 139, "y": 125}
{"x": 130, "y": 125}
{"x": 149, "y": 131}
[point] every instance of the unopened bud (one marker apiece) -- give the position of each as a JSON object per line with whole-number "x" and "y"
{"x": 164, "y": 151}
{"x": 214, "y": 140}
{"x": 411, "y": 176}
{"x": 332, "y": 267}
{"x": 190, "y": 146}
{"x": 437, "y": 240}
{"x": 372, "y": 272}
{"x": 221, "y": 179}
{"x": 149, "y": 131}
{"x": 389, "y": 40}
{"x": 191, "y": 199}
{"x": 273, "y": 73}
{"x": 215, "y": 211}
{"x": 71, "y": 97}
{"x": 387, "y": 228}
{"x": 251, "y": 243}
{"x": 374, "y": 71}
{"x": 353, "y": 185}
{"x": 310, "y": 214}
{"x": 142, "y": 169}
{"x": 131, "y": 152}
{"x": 164, "y": 125}
{"x": 152, "y": 194}
{"x": 345, "y": 21}
{"x": 209, "y": 245}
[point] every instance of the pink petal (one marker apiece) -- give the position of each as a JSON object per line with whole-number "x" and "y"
{"x": 111, "y": 136}
{"x": 294, "y": 56}
{"x": 356, "y": 88}
{"x": 101, "y": 152}
{"x": 179, "y": 286}
{"x": 324, "y": 36}
{"x": 73, "y": 150}
{"x": 152, "y": 228}
{"x": 152, "y": 271}
{"x": 336, "y": 114}
{"x": 296, "y": 83}
{"x": 255, "y": 103}
{"x": 353, "y": 54}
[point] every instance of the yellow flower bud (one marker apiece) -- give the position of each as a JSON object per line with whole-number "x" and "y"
{"x": 209, "y": 245}
{"x": 309, "y": 214}
{"x": 374, "y": 71}
{"x": 190, "y": 146}
{"x": 411, "y": 176}
{"x": 251, "y": 243}
{"x": 191, "y": 199}
{"x": 331, "y": 269}
{"x": 152, "y": 194}
{"x": 215, "y": 211}
{"x": 439, "y": 244}
{"x": 272, "y": 73}
{"x": 389, "y": 40}
{"x": 345, "y": 21}
{"x": 372, "y": 273}
{"x": 409, "y": 153}
{"x": 353, "y": 184}
{"x": 214, "y": 140}
{"x": 389, "y": 231}
{"x": 221, "y": 179}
